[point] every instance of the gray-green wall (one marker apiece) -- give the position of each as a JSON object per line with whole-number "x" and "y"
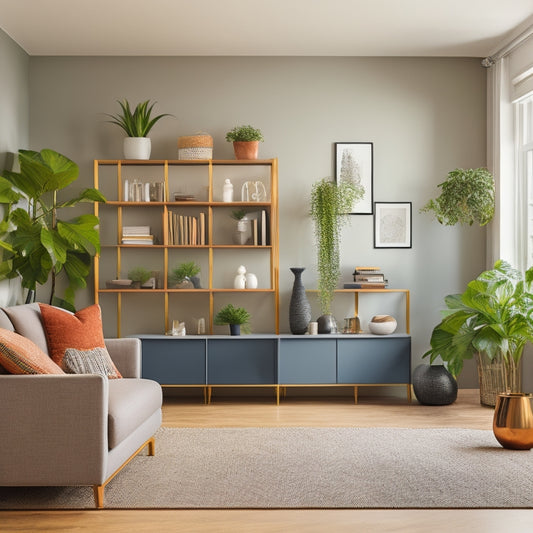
{"x": 14, "y": 123}
{"x": 425, "y": 116}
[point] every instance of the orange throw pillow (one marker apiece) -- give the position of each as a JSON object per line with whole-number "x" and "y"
{"x": 19, "y": 355}
{"x": 81, "y": 331}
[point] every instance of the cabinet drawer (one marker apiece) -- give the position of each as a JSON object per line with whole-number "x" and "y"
{"x": 174, "y": 362}
{"x": 241, "y": 361}
{"x": 379, "y": 360}
{"x": 307, "y": 361}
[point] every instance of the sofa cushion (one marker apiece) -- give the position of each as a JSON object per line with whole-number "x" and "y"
{"x": 95, "y": 361}
{"x": 19, "y": 355}
{"x": 26, "y": 320}
{"x": 131, "y": 402}
{"x": 81, "y": 331}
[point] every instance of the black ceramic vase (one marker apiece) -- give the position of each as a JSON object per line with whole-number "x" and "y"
{"x": 434, "y": 385}
{"x": 299, "y": 309}
{"x": 327, "y": 324}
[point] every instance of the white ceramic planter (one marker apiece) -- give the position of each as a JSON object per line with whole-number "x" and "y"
{"x": 137, "y": 148}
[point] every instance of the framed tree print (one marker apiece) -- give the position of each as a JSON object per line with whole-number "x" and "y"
{"x": 392, "y": 224}
{"x": 354, "y": 162}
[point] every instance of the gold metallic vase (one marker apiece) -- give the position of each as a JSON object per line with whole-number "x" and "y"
{"x": 513, "y": 420}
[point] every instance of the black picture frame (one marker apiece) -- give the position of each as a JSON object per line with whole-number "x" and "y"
{"x": 393, "y": 225}
{"x": 355, "y": 160}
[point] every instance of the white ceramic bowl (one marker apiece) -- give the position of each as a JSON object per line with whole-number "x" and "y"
{"x": 382, "y": 325}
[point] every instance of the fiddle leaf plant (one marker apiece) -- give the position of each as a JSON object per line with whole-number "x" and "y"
{"x": 35, "y": 243}
{"x": 467, "y": 196}
{"x": 330, "y": 203}
{"x": 493, "y": 316}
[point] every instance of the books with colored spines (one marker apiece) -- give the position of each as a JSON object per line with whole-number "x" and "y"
{"x": 367, "y": 277}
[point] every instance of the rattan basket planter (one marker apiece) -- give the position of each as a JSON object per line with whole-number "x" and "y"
{"x": 490, "y": 379}
{"x": 199, "y": 146}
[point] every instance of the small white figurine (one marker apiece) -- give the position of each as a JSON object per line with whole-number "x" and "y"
{"x": 251, "y": 281}
{"x": 227, "y": 192}
{"x": 240, "y": 279}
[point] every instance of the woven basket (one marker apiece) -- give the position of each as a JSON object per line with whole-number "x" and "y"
{"x": 490, "y": 379}
{"x": 198, "y": 146}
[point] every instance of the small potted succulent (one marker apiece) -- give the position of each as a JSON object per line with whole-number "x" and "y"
{"x": 139, "y": 276}
{"x": 242, "y": 233}
{"x": 137, "y": 124}
{"x": 185, "y": 275}
{"x": 236, "y": 317}
{"x": 245, "y": 141}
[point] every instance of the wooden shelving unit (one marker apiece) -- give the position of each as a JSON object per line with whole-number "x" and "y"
{"x": 205, "y": 179}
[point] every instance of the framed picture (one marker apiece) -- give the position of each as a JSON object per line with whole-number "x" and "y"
{"x": 355, "y": 162}
{"x": 392, "y": 224}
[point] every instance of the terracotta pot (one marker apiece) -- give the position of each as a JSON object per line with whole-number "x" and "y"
{"x": 246, "y": 149}
{"x": 513, "y": 420}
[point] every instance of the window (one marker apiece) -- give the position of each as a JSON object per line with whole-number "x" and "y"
{"x": 524, "y": 166}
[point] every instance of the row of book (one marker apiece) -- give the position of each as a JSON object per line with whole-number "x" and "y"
{"x": 367, "y": 277}
{"x": 137, "y": 235}
{"x": 187, "y": 230}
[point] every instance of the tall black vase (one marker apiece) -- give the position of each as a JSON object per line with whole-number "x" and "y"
{"x": 300, "y": 309}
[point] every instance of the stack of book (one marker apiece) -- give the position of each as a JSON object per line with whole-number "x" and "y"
{"x": 366, "y": 277}
{"x": 137, "y": 235}
{"x": 186, "y": 230}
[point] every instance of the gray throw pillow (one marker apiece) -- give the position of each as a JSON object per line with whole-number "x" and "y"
{"x": 95, "y": 361}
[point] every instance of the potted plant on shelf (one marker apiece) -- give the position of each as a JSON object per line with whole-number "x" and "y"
{"x": 245, "y": 141}
{"x": 467, "y": 196}
{"x": 185, "y": 276}
{"x": 36, "y": 244}
{"x": 137, "y": 125}
{"x": 236, "y": 317}
{"x": 139, "y": 276}
{"x": 492, "y": 320}
{"x": 330, "y": 203}
{"x": 241, "y": 233}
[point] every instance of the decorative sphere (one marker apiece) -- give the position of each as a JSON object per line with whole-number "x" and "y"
{"x": 382, "y": 325}
{"x": 434, "y": 385}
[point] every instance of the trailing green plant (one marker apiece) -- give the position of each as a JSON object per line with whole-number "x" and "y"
{"x": 238, "y": 214}
{"x": 137, "y": 123}
{"x": 330, "y": 203}
{"x": 467, "y": 196}
{"x": 492, "y": 316}
{"x": 233, "y": 315}
{"x": 36, "y": 244}
{"x": 139, "y": 274}
{"x": 185, "y": 270}
{"x": 244, "y": 133}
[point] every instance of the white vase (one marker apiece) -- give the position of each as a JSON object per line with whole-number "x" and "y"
{"x": 137, "y": 147}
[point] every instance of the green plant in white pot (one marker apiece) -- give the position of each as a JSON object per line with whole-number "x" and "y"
{"x": 467, "y": 196}
{"x": 137, "y": 124}
{"x": 330, "y": 203}
{"x": 245, "y": 141}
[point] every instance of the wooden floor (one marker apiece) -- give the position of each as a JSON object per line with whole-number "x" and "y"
{"x": 294, "y": 411}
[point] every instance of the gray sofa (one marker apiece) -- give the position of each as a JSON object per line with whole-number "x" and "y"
{"x": 64, "y": 430}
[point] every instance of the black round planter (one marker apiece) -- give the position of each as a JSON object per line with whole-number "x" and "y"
{"x": 434, "y": 385}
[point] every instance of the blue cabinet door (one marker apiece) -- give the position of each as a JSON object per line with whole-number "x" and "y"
{"x": 374, "y": 360}
{"x": 174, "y": 361}
{"x": 241, "y": 361}
{"x": 309, "y": 360}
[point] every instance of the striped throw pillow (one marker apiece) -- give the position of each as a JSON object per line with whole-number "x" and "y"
{"x": 95, "y": 361}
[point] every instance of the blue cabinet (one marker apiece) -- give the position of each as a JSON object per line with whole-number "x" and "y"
{"x": 307, "y": 360}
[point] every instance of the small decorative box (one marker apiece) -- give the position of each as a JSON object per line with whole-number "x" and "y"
{"x": 199, "y": 146}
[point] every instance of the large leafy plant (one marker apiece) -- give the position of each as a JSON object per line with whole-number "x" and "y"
{"x": 467, "y": 196}
{"x": 36, "y": 243}
{"x": 137, "y": 123}
{"x": 330, "y": 201}
{"x": 493, "y": 316}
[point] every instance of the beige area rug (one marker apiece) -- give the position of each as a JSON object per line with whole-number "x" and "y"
{"x": 308, "y": 468}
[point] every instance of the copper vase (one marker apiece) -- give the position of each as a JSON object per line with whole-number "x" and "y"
{"x": 513, "y": 420}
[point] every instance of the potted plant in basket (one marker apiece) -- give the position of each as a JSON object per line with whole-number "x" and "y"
{"x": 245, "y": 141}
{"x": 330, "y": 201}
{"x": 36, "y": 243}
{"x": 185, "y": 275}
{"x": 237, "y": 318}
{"x": 492, "y": 319}
{"x": 467, "y": 196}
{"x": 137, "y": 124}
